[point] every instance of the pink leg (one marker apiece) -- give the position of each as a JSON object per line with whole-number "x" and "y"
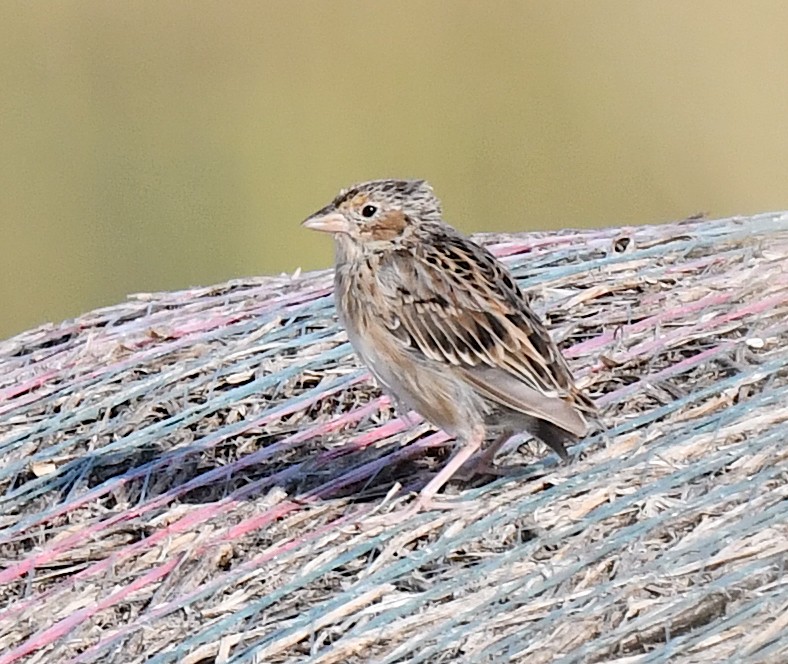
{"x": 469, "y": 447}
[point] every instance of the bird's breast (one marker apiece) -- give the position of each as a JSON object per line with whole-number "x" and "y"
{"x": 416, "y": 383}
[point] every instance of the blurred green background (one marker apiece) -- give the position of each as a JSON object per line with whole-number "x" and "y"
{"x": 156, "y": 145}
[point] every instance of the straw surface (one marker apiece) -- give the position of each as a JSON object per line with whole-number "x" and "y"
{"x": 210, "y": 476}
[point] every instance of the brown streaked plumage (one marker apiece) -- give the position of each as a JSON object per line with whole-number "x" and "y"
{"x": 443, "y": 326}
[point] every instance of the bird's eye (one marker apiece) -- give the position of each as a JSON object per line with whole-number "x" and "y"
{"x": 369, "y": 211}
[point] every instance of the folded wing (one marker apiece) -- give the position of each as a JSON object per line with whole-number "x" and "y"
{"x": 462, "y": 308}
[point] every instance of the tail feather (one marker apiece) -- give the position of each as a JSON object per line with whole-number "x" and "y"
{"x": 553, "y": 436}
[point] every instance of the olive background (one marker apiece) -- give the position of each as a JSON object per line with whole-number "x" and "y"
{"x": 156, "y": 145}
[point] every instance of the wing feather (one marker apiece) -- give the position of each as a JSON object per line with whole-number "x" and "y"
{"x": 458, "y": 305}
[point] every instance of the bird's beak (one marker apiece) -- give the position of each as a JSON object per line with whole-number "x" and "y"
{"x": 329, "y": 222}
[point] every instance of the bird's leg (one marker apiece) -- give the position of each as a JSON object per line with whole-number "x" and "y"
{"x": 469, "y": 447}
{"x": 482, "y": 464}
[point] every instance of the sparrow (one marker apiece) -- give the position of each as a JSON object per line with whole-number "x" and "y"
{"x": 443, "y": 326}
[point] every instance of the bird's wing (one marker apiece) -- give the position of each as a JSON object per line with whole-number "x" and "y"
{"x": 456, "y": 304}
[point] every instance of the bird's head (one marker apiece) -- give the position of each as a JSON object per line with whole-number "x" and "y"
{"x": 379, "y": 210}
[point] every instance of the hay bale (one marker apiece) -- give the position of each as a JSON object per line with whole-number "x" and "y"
{"x": 208, "y": 475}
